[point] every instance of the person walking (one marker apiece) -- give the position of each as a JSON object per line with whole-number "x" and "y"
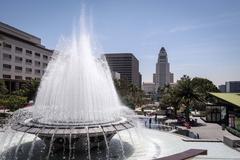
{"x": 150, "y": 122}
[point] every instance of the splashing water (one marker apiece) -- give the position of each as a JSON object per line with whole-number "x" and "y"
{"x": 77, "y": 87}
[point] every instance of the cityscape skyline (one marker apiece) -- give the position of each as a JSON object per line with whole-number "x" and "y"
{"x": 203, "y": 44}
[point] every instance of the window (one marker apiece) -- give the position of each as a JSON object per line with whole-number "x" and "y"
{"x": 37, "y": 55}
{"x": 28, "y": 78}
{"x": 18, "y": 50}
{"x": 18, "y": 68}
{"x": 18, "y": 77}
{"x": 28, "y": 53}
{"x": 18, "y": 59}
{"x": 28, "y": 70}
{"x": 7, "y": 66}
{"x": 37, "y": 63}
{"x": 7, "y": 46}
{"x": 37, "y": 79}
{"x": 45, "y": 57}
{"x": 28, "y": 61}
{"x": 6, "y": 76}
{"x": 44, "y": 65}
{"x": 37, "y": 71}
{"x": 7, "y": 57}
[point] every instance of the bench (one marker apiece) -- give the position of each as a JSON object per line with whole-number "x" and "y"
{"x": 231, "y": 141}
{"x": 185, "y": 155}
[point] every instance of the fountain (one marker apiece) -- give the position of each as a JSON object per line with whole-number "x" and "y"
{"x": 76, "y": 101}
{"x": 78, "y": 115}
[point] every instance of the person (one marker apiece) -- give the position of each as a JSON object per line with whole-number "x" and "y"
{"x": 198, "y": 136}
{"x": 156, "y": 118}
{"x": 145, "y": 114}
{"x": 150, "y": 122}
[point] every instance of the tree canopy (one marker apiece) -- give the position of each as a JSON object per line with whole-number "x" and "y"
{"x": 187, "y": 93}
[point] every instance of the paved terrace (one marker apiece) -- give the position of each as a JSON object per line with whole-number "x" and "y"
{"x": 210, "y": 130}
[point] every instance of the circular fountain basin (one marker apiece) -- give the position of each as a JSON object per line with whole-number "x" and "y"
{"x": 68, "y": 133}
{"x": 76, "y": 129}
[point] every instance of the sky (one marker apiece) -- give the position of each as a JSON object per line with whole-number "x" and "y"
{"x": 202, "y": 38}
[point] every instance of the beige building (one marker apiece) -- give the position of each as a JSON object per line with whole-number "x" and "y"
{"x": 22, "y": 56}
{"x": 148, "y": 88}
{"x": 163, "y": 75}
{"x": 127, "y": 65}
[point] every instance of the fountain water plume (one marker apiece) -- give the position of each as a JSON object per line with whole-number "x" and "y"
{"x": 77, "y": 87}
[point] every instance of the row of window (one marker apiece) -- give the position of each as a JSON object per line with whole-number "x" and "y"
{"x": 8, "y": 57}
{"x": 20, "y": 50}
{"x": 19, "y": 69}
{"x": 5, "y": 76}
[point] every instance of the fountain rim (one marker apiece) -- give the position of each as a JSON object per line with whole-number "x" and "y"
{"x": 33, "y": 122}
{"x": 65, "y": 130}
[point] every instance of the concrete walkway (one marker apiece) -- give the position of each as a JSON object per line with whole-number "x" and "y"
{"x": 210, "y": 130}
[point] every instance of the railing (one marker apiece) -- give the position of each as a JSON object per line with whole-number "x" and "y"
{"x": 7, "y": 59}
{"x": 161, "y": 127}
{"x": 18, "y": 71}
{"x": 6, "y": 69}
{"x": 28, "y": 63}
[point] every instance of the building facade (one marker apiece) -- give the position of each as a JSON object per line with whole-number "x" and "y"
{"x": 127, "y": 65}
{"x": 222, "y": 88}
{"x": 233, "y": 86}
{"x": 230, "y": 87}
{"x": 116, "y": 75}
{"x": 22, "y": 56}
{"x": 148, "y": 88}
{"x": 162, "y": 76}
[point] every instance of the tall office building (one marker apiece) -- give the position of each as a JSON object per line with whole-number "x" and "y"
{"x": 233, "y": 86}
{"x": 22, "y": 56}
{"x": 230, "y": 87}
{"x": 222, "y": 88}
{"x": 163, "y": 75}
{"x": 127, "y": 65}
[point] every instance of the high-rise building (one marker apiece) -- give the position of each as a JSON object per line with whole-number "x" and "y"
{"x": 163, "y": 75}
{"x": 22, "y": 56}
{"x": 127, "y": 65}
{"x": 230, "y": 87}
{"x": 222, "y": 88}
{"x": 233, "y": 86}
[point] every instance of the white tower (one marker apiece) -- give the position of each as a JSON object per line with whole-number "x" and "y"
{"x": 163, "y": 75}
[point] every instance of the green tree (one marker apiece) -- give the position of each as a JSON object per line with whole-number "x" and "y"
{"x": 169, "y": 98}
{"x": 3, "y": 88}
{"x": 187, "y": 93}
{"x": 203, "y": 87}
{"x": 12, "y": 102}
{"x": 130, "y": 94}
{"x": 190, "y": 93}
{"x": 28, "y": 89}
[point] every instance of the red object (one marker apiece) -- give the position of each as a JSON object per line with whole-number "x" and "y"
{"x": 187, "y": 125}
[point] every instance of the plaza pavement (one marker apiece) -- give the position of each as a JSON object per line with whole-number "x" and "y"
{"x": 210, "y": 130}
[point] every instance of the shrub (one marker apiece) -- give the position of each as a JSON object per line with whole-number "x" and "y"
{"x": 12, "y": 102}
{"x": 233, "y": 131}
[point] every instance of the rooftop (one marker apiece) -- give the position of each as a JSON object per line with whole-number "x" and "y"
{"x": 7, "y": 29}
{"x": 233, "y": 98}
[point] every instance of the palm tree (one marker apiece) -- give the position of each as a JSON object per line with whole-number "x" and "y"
{"x": 187, "y": 93}
{"x": 169, "y": 98}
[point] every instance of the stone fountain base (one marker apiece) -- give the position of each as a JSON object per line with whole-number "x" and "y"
{"x": 58, "y": 136}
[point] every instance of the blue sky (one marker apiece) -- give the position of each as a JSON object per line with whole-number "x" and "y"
{"x": 202, "y": 37}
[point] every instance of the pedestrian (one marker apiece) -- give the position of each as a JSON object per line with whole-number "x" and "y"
{"x": 150, "y": 122}
{"x": 197, "y": 136}
{"x": 156, "y": 118}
